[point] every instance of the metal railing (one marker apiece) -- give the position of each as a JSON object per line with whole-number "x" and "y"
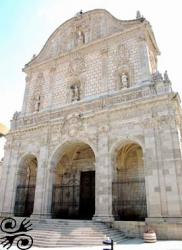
{"x": 129, "y": 200}
{"x": 24, "y": 200}
{"x": 65, "y": 201}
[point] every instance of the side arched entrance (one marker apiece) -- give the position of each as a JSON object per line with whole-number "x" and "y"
{"x": 129, "y": 193}
{"x": 73, "y": 181}
{"x": 25, "y": 190}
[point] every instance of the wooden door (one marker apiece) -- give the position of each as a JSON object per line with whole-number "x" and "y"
{"x": 87, "y": 194}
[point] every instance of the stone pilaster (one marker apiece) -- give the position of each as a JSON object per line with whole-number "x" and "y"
{"x": 156, "y": 200}
{"x": 103, "y": 174}
{"x": 171, "y": 167}
{"x": 47, "y": 201}
{"x": 40, "y": 184}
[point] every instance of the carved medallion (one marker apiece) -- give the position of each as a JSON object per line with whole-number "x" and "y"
{"x": 72, "y": 125}
{"x": 76, "y": 66}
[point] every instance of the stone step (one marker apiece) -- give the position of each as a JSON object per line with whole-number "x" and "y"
{"x": 60, "y": 237}
{"x": 64, "y": 233}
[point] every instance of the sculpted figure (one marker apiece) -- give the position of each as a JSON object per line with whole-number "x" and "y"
{"x": 37, "y": 102}
{"x": 124, "y": 80}
{"x": 166, "y": 77}
{"x": 15, "y": 116}
{"x": 157, "y": 76}
{"x": 75, "y": 93}
{"x": 138, "y": 14}
{"x": 80, "y": 38}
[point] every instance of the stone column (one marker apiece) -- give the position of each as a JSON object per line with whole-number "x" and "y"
{"x": 103, "y": 174}
{"x": 40, "y": 190}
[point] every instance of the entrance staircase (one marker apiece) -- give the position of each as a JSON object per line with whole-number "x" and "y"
{"x": 67, "y": 233}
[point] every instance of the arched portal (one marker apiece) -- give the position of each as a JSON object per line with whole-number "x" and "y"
{"x": 73, "y": 186}
{"x": 26, "y": 182}
{"x": 129, "y": 194}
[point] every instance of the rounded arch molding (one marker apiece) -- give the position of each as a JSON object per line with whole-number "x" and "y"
{"x": 26, "y": 155}
{"x": 122, "y": 141}
{"x": 59, "y": 150}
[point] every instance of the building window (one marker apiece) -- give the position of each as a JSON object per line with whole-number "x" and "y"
{"x": 75, "y": 92}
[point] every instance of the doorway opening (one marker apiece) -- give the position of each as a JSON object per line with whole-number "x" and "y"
{"x": 73, "y": 195}
{"x": 25, "y": 191}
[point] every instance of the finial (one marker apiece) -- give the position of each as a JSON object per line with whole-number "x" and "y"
{"x": 33, "y": 57}
{"x": 79, "y": 13}
{"x": 138, "y": 14}
{"x": 166, "y": 77}
{"x": 157, "y": 76}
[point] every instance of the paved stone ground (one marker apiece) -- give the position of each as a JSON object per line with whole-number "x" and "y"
{"x": 127, "y": 245}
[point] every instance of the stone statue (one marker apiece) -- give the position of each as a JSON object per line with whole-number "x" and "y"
{"x": 138, "y": 14}
{"x": 166, "y": 77}
{"x": 37, "y": 102}
{"x": 33, "y": 57}
{"x": 80, "y": 37}
{"x": 15, "y": 116}
{"x": 124, "y": 80}
{"x": 157, "y": 76}
{"x": 79, "y": 13}
{"x": 75, "y": 93}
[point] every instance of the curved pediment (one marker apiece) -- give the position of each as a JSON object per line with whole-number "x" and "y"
{"x": 82, "y": 29}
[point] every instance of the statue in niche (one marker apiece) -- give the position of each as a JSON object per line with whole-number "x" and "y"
{"x": 80, "y": 38}
{"x": 75, "y": 92}
{"x": 37, "y": 103}
{"x": 124, "y": 80}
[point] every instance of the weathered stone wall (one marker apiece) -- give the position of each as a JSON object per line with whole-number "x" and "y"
{"x": 100, "y": 68}
{"x": 96, "y": 67}
{"x": 141, "y": 123}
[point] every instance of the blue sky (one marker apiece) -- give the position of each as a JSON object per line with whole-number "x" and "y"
{"x": 25, "y": 25}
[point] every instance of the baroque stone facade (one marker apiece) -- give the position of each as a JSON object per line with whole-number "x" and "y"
{"x": 99, "y": 119}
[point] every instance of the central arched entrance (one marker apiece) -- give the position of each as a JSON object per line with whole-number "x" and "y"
{"x": 73, "y": 191}
{"x": 129, "y": 193}
{"x": 25, "y": 190}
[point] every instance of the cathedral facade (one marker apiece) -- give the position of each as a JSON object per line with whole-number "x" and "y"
{"x": 99, "y": 133}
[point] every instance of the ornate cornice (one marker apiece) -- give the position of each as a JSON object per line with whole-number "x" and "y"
{"x": 121, "y": 100}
